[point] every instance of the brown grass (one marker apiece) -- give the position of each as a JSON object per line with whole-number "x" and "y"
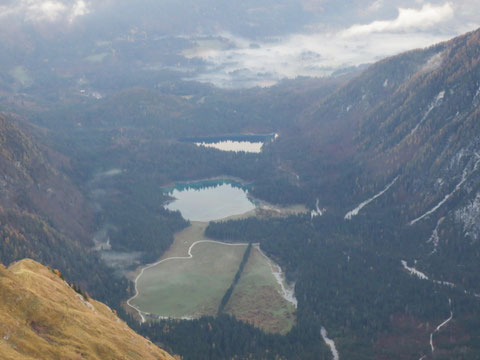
{"x": 42, "y": 317}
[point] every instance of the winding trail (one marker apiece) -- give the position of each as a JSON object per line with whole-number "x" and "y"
{"x": 190, "y": 256}
{"x": 355, "y": 211}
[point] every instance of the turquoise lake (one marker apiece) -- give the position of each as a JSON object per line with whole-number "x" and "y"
{"x": 209, "y": 200}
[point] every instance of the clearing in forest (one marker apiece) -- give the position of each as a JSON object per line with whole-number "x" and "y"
{"x": 193, "y": 287}
{"x": 184, "y": 286}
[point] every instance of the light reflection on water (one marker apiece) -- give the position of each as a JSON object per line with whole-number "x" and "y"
{"x": 236, "y": 146}
{"x": 211, "y": 202}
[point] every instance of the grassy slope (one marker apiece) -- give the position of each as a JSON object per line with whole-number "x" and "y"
{"x": 42, "y": 317}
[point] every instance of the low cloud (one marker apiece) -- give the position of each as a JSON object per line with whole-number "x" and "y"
{"x": 324, "y": 52}
{"x": 300, "y": 55}
{"x": 407, "y": 20}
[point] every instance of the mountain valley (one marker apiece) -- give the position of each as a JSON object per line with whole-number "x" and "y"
{"x": 380, "y": 164}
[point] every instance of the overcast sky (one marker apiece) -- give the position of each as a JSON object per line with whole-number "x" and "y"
{"x": 338, "y": 33}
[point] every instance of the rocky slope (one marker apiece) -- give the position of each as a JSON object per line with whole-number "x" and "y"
{"x": 42, "y": 317}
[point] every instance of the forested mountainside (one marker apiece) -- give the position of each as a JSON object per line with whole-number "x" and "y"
{"x": 409, "y": 115}
{"x": 44, "y": 216}
{"x": 408, "y": 125}
{"x": 43, "y": 317}
{"x": 29, "y": 182}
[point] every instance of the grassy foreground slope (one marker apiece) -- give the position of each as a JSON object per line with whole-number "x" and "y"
{"x": 42, "y": 317}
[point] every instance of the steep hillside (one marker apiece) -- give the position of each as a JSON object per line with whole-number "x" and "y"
{"x": 44, "y": 216}
{"x": 30, "y": 183}
{"x": 413, "y": 115}
{"x": 42, "y": 317}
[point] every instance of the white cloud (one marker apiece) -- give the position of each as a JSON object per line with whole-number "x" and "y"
{"x": 375, "y": 6}
{"x": 80, "y": 8}
{"x": 45, "y": 10}
{"x": 407, "y": 20}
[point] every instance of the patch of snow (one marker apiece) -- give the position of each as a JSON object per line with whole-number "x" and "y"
{"x": 423, "y": 276}
{"x": 355, "y": 211}
{"x": 413, "y": 271}
{"x": 476, "y": 98}
{"x": 468, "y": 216}
{"x": 465, "y": 175}
{"x": 330, "y": 343}
{"x": 441, "y": 325}
{"x": 446, "y": 283}
{"x": 439, "y": 182}
{"x": 435, "y": 103}
{"x": 317, "y": 211}
{"x": 434, "y": 238}
{"x": 288, "y": 292}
